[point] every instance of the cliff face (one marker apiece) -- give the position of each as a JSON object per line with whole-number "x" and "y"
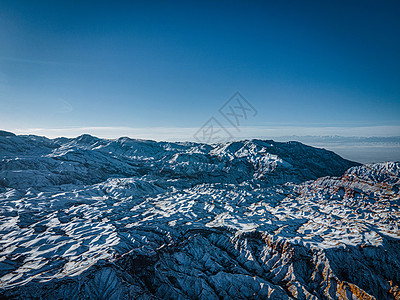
{"x": 88, "y": 218}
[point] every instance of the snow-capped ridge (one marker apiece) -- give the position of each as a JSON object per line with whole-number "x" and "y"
{"x": 87, "y": 160}
{"x": 98, "y": 218}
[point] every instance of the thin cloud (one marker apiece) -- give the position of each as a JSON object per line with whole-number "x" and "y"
{"x": 187, "y": 134}
{"x": 39, "y": 62}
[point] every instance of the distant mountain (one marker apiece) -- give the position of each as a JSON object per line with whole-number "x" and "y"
{"x": 32, "y": 161}
{"x": 361, "y": 149}
{"x": 6, "y": 133}
{"x": 89, "y": 218}
{"x": 342, "y": 139}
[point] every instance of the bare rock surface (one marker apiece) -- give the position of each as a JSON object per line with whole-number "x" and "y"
{"x": 89, "y": 218}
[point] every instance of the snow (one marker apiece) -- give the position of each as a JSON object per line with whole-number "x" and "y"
{"x": 225, "y": 213}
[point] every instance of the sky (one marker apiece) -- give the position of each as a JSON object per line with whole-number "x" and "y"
{"x": 163, "y": 70}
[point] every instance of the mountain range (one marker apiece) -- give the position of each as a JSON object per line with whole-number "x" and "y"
{"x": 91, "y": 218}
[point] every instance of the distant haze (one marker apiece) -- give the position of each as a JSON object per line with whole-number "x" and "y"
{"x": 173, "y": 64}
{"x": 162, "y": 70}
{"x": 359, "y": 149}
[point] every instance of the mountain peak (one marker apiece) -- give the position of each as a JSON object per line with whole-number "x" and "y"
{"x": 6, "y": 133}
{"x": 144, "y": 219}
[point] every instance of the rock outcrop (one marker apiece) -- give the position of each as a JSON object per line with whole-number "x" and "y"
{"x": 88, "y": 218}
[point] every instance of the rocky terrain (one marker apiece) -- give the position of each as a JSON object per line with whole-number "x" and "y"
{"x": 89, "y": 218}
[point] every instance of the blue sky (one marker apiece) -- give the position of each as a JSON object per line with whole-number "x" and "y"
{"x": 162, "y": 69}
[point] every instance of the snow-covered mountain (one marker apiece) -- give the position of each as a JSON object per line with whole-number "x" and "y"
{"x": 88, "y": 218}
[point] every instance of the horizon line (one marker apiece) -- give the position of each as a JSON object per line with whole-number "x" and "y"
{"x": 188, "y": 133}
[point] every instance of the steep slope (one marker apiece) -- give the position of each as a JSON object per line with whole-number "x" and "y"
{"x": 89, "y": 160}
{"x": 88, "y": 218}
{"x": 6, "y": 133}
